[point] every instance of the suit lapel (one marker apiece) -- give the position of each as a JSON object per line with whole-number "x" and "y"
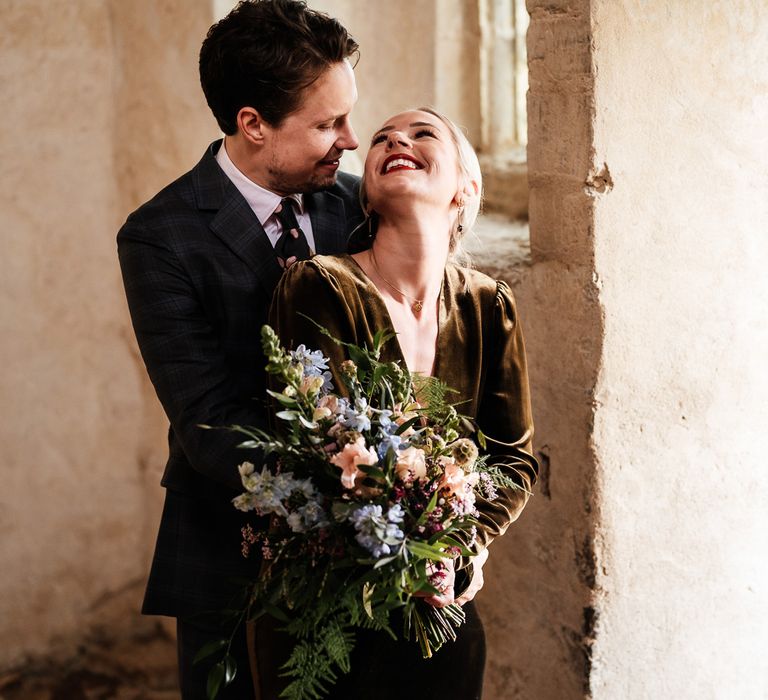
{"x": 234, "y": 222}
{"x": 329, "y": 223}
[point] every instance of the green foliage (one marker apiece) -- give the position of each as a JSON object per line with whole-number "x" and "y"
{"x": 502, "y": 480}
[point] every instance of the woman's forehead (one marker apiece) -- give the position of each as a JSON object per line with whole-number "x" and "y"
{"x": 412, "y": 117}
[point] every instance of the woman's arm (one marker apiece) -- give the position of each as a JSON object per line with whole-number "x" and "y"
{"x": 504, "y": 416}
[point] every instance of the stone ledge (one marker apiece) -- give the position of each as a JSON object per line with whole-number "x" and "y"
{"x": 499, "y": 247}
{"x": 505, "y": 186}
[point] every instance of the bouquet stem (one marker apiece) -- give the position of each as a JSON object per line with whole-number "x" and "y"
{"x": 432, "y": 627}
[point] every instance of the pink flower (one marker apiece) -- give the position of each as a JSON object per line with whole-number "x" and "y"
{"x": 311, "y": 385}
{"x": 329, "y": 401}
{"x": 321, "y": 413}
{"x": 407, "y": 415}
{"x": 457, "y": 482}
{"x": 351, "y": 455}
{"x": 411, "y": 464}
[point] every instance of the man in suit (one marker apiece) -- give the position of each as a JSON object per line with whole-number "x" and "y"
{"x": 200, "y": 261}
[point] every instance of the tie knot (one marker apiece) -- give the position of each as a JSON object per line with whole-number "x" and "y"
{"x": 285, "y": 210}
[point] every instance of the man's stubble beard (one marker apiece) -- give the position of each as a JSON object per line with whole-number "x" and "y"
{"x": 315, "y": 183}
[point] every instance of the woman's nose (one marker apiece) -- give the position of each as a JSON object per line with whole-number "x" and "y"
{"x": 397, "y": 138}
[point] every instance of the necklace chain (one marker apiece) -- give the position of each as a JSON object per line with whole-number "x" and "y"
{"x": 416, "y": 304}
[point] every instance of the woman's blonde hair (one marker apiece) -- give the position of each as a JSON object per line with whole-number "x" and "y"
{"x": 469, "y": 169}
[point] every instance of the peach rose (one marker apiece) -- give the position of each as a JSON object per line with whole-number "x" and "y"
{"x": 456, "y": 481}
{"x": 330, "y": 402}
{"x": 407, "y": 415}
{"x": 352, "y": 454}
{"x": 411, "y": 464}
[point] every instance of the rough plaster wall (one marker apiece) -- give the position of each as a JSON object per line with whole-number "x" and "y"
{"x": 538, "y": 596}
{"x": 682, "y": 416}
{"x": 457, "y": 61}
{"x": 80, "y": 441}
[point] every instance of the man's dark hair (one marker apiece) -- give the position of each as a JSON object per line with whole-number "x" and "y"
{"x": 263, "y": 54}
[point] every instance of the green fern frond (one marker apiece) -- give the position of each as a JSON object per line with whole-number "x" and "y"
{"x": 310, "y": 670}
{"x": 433, "y": 393}
{"x": 502, "y": 480}
{"x": 338, "y": 642}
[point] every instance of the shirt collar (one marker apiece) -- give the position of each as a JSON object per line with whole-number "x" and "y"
{"x": 262, "y": 201}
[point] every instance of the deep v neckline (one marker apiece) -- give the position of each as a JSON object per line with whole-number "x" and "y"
{"x": 361, "y": 274}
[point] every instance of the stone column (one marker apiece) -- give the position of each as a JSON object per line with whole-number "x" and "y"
{"x": 541, "y": 575}
{"x": 680, "y": 153}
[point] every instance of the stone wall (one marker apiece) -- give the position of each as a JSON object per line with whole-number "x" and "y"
{"x": 637, "y": 571}
{"x": 101, "y": 107}
{"x": 681, "y": 417}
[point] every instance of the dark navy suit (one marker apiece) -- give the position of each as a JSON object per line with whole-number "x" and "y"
{"x": 199, "y": 273}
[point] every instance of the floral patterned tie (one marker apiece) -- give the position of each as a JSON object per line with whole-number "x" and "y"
{"x": 292, "y": 244}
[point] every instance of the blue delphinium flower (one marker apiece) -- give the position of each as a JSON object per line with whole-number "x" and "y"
{"x": 385, "y": 419}
{"x": 394, "y": 442}
{"x": 378, "y": 532}
{"x": 312, "y": 361}
{"x": 307, "y": 517}
{"x": 267, "y": 493}
{"x": 356, "y": 417}
{"x": 314, "y": 364}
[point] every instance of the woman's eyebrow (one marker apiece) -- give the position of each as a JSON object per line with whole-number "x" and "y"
{"x": 390, "y": 127}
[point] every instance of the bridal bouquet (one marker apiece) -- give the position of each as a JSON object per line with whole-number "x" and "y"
{"x": 369, "y": 493}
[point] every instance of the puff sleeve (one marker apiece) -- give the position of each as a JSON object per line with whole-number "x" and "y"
{"x": 504, "y": 416}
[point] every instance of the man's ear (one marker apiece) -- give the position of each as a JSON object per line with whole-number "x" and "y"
{"x": 251, "y": 125}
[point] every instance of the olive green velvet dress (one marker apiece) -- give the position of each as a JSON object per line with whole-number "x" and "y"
{"x": 479, "y": 353}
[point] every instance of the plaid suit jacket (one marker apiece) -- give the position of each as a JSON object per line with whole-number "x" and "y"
{"x": 199, "y": 273}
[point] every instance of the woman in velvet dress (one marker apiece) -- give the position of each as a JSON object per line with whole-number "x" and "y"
{"x": 421, "y": 190}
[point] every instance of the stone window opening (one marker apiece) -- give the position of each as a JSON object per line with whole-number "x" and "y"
{"x": 501, "y": 246}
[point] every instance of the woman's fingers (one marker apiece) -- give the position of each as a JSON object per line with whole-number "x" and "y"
{"x": 477, "y": 578}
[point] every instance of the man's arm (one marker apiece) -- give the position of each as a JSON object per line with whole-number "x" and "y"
{"x": 183, "y": 355}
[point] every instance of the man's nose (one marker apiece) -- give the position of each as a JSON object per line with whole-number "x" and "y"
{"x": 348, "y": 139}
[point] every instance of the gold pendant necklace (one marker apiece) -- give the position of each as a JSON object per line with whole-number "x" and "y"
{"x": 416, "y": 304}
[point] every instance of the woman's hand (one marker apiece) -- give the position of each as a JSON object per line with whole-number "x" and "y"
{"x": 477, "y": 582}
{"x": 443, "y": 577}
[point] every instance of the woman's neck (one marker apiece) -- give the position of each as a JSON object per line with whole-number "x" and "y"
{"x": 409, "y": 254}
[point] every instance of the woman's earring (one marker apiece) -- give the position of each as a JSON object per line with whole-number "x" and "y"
{"x": 373, "y": 225}
{"x": 460, "y": 217}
